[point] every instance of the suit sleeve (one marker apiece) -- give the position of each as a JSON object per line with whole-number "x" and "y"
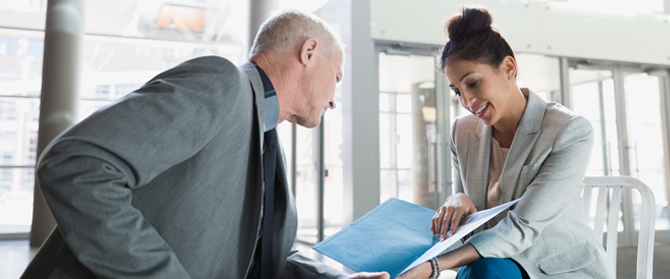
{"x": 89, "y": 172}
{"x": 557, "y": 182}
{"x": 300, "y": 267}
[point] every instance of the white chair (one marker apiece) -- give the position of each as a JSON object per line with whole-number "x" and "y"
{"x": 615, "y": 185}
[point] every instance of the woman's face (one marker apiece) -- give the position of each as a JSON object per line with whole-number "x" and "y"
{"x": 483, "y": 90}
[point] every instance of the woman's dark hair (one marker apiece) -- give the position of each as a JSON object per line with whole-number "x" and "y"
{"x": 471, "y": 37}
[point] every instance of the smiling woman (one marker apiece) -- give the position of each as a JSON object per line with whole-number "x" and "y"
{"x": 512, "y": 145}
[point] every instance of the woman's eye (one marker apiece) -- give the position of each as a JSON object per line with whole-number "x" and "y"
{"x": 473, "y": 84}
{"x": 457, "y": 93}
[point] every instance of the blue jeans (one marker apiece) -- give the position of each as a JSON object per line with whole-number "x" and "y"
{"x": 492, "y": 268}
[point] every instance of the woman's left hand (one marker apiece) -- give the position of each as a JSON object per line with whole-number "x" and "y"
{"x": 421, "y": 271}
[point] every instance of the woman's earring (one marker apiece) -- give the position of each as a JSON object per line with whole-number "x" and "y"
{"x": 509, "y": 77}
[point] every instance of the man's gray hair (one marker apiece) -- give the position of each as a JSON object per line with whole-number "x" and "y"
{"x": 287, "y": 29}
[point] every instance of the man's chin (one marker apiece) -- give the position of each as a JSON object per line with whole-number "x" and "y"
{"x": 307, "y": 123}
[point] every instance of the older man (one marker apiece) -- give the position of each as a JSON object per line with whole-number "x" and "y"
{"x": 184, "y": 177}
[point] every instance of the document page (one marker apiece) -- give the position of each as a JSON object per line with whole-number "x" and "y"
{"x": 395, "y": 237}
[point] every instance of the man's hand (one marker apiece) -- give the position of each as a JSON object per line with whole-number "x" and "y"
{"x": 368, "y": 275}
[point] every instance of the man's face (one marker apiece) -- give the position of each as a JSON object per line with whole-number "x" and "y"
{"x": 317, "y": 89}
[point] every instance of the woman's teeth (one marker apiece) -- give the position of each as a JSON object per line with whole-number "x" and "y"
{"x": 481, "y": 109}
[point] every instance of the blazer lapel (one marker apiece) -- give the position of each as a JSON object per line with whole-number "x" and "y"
{"x": 478, "y": 165}
{"x": 524, "y": 140}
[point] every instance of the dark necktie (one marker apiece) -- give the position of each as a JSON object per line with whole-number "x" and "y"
{"x": 269, "y": 166}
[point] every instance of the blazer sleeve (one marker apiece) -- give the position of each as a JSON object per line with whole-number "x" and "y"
{"x": 89, "y": 172}
{"x": 557, "y": 182}
{"x": 458, "y": 182}
{"x": 300, "y": 267}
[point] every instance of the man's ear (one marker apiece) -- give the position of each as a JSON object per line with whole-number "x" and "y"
{"x": 308, "y": 50}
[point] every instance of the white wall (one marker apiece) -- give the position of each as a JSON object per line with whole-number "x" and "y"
{"x": 549, "y": 28}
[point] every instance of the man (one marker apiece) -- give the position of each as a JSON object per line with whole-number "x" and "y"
{"x": 175, "y": 180}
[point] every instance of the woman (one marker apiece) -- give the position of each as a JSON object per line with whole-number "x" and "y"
{"x": 513, "y": 145}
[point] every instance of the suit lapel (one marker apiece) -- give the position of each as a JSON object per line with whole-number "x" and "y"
{"x": 259, "y": 96}
{"x": 285, "y": 212}
{"x": 524, "y": 140}
{"x": 479, "y": 148}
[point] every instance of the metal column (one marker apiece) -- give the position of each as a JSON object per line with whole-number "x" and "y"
{"x": 664, "y": 80}
{"x": 624, "y": 153}
{"x": 321, "y": 176}
{"x": 444, "y": 137}
{"x": 63, "y": 41}
{"x": 566, "y": 98}
{"x": 607, "y": 168}
{"x": 259, "y": 12}
{"x": 360, "y": 108}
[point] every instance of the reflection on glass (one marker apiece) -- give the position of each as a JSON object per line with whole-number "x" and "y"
{"x": 18, "y": 141}
{"x": 25, "y": 14}
{"x": 20, "y": 82}
{"x": 186, "y": 20}
{"x": 21, "y": 64}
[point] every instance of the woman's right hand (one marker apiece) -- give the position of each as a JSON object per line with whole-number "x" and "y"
{"x": 449, "y": 215}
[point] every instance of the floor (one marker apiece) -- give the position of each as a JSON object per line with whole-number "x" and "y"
{"x": 15, "y": 255}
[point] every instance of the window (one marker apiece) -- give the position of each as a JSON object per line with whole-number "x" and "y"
{"x": 126, "y": 43}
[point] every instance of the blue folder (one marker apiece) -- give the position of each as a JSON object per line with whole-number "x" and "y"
{"x": 388, "y": 238}
{"x": 395, "y": 237}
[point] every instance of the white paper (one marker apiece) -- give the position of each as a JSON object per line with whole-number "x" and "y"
{"x": 468, "y": 224}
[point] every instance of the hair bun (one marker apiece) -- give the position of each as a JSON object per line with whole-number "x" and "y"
{"x": 469, "y": 22}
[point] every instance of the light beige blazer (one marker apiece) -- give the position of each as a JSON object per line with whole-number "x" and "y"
{"x": 545, "y": 232}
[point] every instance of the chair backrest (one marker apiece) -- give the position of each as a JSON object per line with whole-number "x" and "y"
{"x": 611, "y": 187}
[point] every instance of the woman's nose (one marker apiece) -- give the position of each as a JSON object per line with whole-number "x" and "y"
{"x": 468, "y": 99}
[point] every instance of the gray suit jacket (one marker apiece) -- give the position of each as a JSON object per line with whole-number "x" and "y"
{"x": 168, "y": 183}
{"x": 545, "y": 232}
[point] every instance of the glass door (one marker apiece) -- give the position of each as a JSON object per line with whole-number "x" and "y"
{"x": 626, "y": 108}
{"x": 646, "y": 137}
{"x": 409, "y": 103}
{"x": 593, "y": 97}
